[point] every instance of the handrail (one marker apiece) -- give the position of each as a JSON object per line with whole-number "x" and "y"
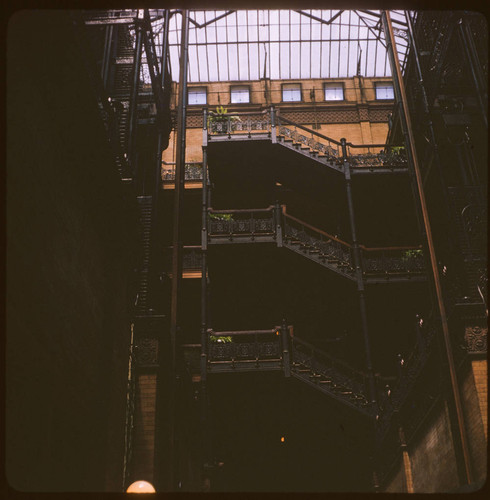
{"x": 241, "y": 210}
{"x": 235, "y": 113}
{"x": 313, "y": 228}
{"x": 242, "y": 332}
{"x": 379, "y": 249}
{"x": 334, "y": 360}
{"x": 306, "y": 129}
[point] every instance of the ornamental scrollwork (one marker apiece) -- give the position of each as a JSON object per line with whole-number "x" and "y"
{"x": 476, "y": 339}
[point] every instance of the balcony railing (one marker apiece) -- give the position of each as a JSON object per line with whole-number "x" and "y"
{"x": 193, "y": 171}
{"x": 246, "y": 348}
{"x": 241, "y": 222}
{"x": 253, "y": 124}
{"x": 393, "y": 260}
{"x": 239, "y": 123}
{"x": 327, "y": 246}
{"x": 337, "y": 376}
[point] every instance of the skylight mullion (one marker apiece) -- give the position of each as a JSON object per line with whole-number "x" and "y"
{"x": 321, "y": 49}
{"x": 207, "y": 46}
{"x": 217, "y": 55}
{"x": 248, "y": 48}
{"x": 311, "y": 43}
{"x": 290, "y": 47}
{"x": 227, "y": 47}
{"x": 237, "y": 50}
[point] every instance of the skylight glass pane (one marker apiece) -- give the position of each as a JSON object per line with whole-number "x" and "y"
{"x": 253, "y": 26}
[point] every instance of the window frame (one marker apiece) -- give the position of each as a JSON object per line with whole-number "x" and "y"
{"x": 201, "y": 87}
{"x": 298, "y": 84}
{"x": 378, "y": 85}
{"x": 239, "y": 86}
{"x": 335, "y": 85}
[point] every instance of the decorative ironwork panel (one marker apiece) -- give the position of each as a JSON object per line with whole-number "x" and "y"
{"x": 393, "y": 261}
{"x": 328, "y": 248}
{"x": 476, "y": 339}
{"x": 381, "y": 159}
{"x": 241, "y": 223}
{"x": 240, "y": 351}
{"x": 330, "y": 150}
{"x": 236, "y": 124}
{"x": 192, "y": 172}
{"x": 146, "y": 352}
{"x": 335, "y": 377}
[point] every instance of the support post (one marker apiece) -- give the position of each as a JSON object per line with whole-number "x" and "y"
{"x": 359, "y": 275}
{"x": 286, "y": 359}
{"x": 472, "y": 59}
{"x": 133, "y": 100}
{"x": 406, "y": 125}
{"x": 278, "y": 223}
{"x": 273, "y": 125}
{"x": 177, "y": 244}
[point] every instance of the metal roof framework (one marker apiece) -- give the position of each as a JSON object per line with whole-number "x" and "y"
{"x": 244, "y": 45}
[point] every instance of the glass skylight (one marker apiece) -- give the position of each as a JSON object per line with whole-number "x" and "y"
{"x": 282, "y": 44}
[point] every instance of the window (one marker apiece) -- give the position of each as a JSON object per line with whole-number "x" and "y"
{"x": 197, "y": 95}
{"x": 291, "y": 92}
{"x": 240, "y": 93}
{"x": 384, "y": 91}
{"x": 333, "y": 91}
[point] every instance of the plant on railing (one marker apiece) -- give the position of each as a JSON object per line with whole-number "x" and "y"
{"x": 412, "y": 254}
{"x": 221, "y": 217}
{"x": 220, "y": 339}
{"x": 222, "y": 116}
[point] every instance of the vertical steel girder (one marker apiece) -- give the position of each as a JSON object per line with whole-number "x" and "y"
{"x": 359, "y": 275}
{"x": 133, "y": 101}
{"x": 414, "y": 168}
{"x": 171, "y": 452}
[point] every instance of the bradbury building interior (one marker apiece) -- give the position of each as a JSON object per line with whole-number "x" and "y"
{"x": 247, "y": 250}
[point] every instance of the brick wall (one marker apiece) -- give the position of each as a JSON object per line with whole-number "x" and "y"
{"x": 356, "y": 89}
{"x": 432, "y": 456}
{"x": 397, "y": 483}
{"x": 142, "y": 463}
{"x": 481, "y": 384}
{"x": 474, "y": 417}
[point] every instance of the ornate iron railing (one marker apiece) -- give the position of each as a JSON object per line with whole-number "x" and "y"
{"x": 251, "y": 345}
{"x": 246, "y": 222}
{"x": 395, "y": 260}
{"x": 374, "y": 157}
{"x": 409, "y": 371}
{"x": 250, "y": 123}
{"x": 315, "y": 141}
{"x": 327, "y": 246}
{"x": 334, "y": 375}
{"x": 191, "y": 258}
{"x": 193, "y": 171}
{"x": 239, "y": 123}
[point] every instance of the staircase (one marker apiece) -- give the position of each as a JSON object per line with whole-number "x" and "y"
{"x": 274, "y": 225}
{"x": 330, "y": 376}
{"x": 285, "y": 134}
{"x": 263, "y": 350}
{"x": 144, "y": 216}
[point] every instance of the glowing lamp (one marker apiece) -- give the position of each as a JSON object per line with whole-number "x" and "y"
{"x": 141, "y": 487}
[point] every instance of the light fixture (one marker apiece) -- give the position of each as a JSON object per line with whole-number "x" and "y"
{"x": 141, "y": 487}
{"x": 282, "y": 439}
